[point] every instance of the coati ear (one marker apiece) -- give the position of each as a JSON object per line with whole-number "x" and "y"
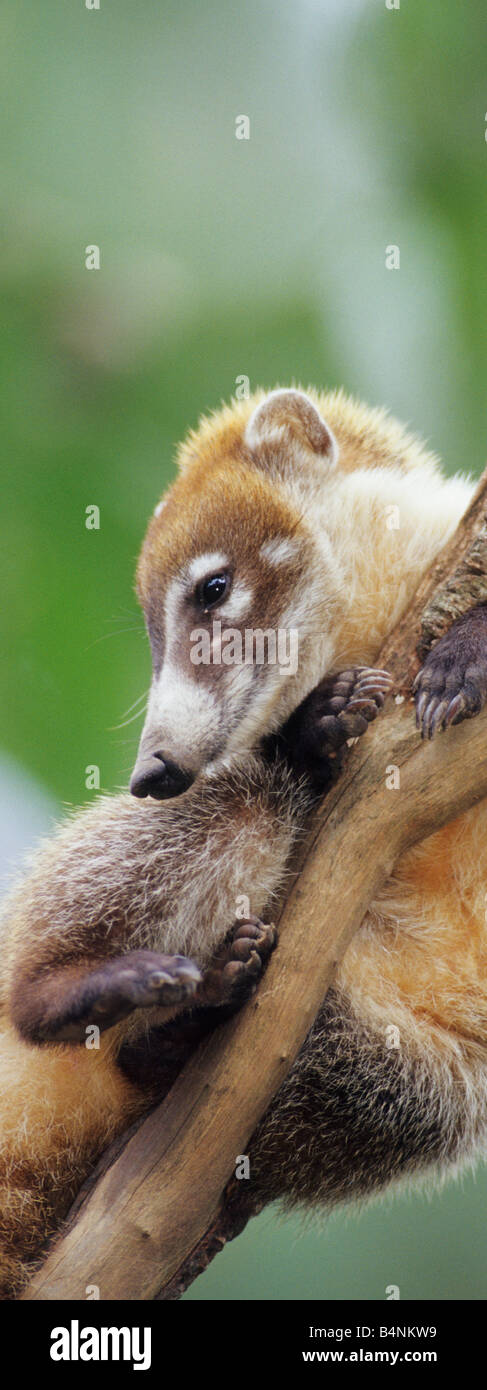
{"x": 285, "y": 425}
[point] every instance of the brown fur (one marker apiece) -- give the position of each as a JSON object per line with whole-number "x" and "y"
{"x": 355, "y": 1113}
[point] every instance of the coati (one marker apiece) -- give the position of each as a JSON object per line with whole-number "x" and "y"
{"x": 277, "y": 522}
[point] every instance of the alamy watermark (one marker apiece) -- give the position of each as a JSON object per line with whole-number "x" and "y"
{"x": 252, "y": 647}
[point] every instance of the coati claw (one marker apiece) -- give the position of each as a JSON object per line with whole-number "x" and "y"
{"x": 142, "y": 979}
{"x": 366, "y": 695}
{"x": 452, "y": 684}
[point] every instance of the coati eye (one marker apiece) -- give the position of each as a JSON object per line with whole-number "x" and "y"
{"x": 213, "y": 590}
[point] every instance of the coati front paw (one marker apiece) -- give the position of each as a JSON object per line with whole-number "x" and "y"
{"x": 235, "y": 970}
{"x": 452, "y": 684}
{"x": 342, "y": 706}
{"x": 339, "y": 708}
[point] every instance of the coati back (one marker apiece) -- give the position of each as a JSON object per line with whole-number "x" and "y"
{"x": 278, "y": 523}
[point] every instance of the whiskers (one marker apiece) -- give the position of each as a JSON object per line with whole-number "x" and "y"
{"x": 128, "y": 717}
{"x": 135, "y": 626}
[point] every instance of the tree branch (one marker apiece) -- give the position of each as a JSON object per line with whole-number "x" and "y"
{"x": 155, "y": 1216}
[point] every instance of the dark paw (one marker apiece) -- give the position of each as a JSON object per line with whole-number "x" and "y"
{"x": 450, "y": 687}
{"x": 344, "y": 705}
{"x": 141, "y": 979}
{"x": 341, "y": 707}
{"x": 234, "y": 972}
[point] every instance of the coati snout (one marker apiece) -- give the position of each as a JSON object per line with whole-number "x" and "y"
{"x": 159, "y": 777}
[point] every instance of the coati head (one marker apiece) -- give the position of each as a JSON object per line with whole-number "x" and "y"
{"x": 266, "y": 566}
{"x": 237, "y": 590}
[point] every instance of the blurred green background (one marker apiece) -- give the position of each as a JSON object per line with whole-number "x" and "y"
{"x": 221, "y": 257}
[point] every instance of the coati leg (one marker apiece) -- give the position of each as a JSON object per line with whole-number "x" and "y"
{"x": 61, "y": 1006}
{"x": 452, "y": 684}
{"x": 61, "y": 1106}
{"x": 154, "y": 1059}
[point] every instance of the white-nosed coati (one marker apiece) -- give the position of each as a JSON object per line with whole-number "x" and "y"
{"x": 277, "y": 523}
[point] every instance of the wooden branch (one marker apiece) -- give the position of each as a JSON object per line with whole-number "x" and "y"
{"x": 155, "y": 1216}
{"x": 455, "y": 582}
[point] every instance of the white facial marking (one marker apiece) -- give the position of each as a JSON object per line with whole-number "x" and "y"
{"x": 183, "y": 713}
{"x": 205, "y": 565}
{"x": 175, "y": 592}
{"x": 160, "y": 505}
{"x": 182, "y": 709}
{"x": 238, "y": 604}
{"x": 279, "y": 549}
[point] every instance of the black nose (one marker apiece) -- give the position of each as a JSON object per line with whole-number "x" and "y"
{"x": 160, "y": 778}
